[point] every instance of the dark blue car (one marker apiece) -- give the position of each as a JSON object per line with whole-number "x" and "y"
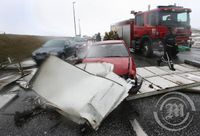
{"x": 61, "y": 48}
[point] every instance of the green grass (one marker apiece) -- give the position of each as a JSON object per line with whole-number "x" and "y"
{"x": 19, "y": 47}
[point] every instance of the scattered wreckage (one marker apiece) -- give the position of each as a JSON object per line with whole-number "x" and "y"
{"x": 88, "y": 92}
{"x": 159, "y": 80}
{"x": 85, "y": 93}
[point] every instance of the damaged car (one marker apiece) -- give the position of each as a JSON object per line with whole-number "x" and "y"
{"x": 81, "y": 93}
{"x": 115, "y": 52}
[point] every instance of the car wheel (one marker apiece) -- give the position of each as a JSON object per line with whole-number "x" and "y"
{"x": 38, "y": 63}
{"x": 147, "y": 48}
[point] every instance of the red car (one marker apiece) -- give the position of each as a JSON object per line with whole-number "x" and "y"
{"x": 115, "y": 52}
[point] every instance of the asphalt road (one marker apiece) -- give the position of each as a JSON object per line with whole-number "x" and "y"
{"x": 36, "y": 121}
{"x": 146, "y": 107}
{"x": 48, "y": 122}
{"x": 141, "y": 61}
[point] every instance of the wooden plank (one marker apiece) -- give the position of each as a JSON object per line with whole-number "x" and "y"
{"x": 185, "y": 77}
{"x": 196, "y": 89}
{"x": 179, "y": 88}
{"x": 143, "y": 72}
{"x": 161, "y": 82}
{"x": 191, "y": 77}
{"x": 189, "y": 66}
{"x": 178, "y": 79}
{"x": 196, "y": 73}
{"x": 182, "y": 68}
{"x": 166, "y": 68}
{"x": 156, "y": 70}
{"x": 148, "y": 87}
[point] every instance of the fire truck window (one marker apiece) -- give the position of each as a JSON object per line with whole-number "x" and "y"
{"x": 152, "y": 19}
{"x": 140, "y": 20}
{"x": 166, "y": 17}
{"x": 182, "y": 17}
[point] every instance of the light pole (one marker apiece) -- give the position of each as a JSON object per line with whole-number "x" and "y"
{"x": 79, "y": 25}
{"x": 74, "y": 18}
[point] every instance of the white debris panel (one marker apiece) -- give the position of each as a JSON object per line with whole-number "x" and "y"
{"x": 79, "y": 95}
{"x": 5, "y": 99}
{"x": 99, "y": 69}
{"x": 157, "y": 80}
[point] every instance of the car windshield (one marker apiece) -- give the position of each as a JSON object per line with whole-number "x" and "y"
{"x": 79, "y": 39}
{"x": 174, "y": 18}
{"x": 55, "y": 43}
{"x": 107, "y": 50}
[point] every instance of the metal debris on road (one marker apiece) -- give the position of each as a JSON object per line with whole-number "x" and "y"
{"x": 24, "y": 64}
{"x": 77, "y": 94}
{"x": 8, "y": 78}
{"x": 159, "y": 80}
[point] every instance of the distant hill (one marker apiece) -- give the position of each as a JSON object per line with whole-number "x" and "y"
{"x": 19, "y": 47}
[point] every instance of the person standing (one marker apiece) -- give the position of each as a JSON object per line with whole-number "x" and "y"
{"x": 170, "y": 49}
{"x": 98, "y": 37}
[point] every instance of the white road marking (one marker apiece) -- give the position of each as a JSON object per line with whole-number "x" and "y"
{"x": 137, "y": 128}
{"x": 4, "y": 99}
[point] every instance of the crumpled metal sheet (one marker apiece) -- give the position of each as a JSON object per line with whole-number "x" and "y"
{"x": 77, "y": 94}
{"x": 99, "y": 69}
{"x": 24, "y": 64}
{"x": 8, "y": 78}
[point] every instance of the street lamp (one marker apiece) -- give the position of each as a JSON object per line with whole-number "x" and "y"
{"x": 74, "y": 18}
{"x": 79, "y": 25}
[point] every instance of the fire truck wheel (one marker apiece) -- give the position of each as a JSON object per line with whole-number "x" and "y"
{"x": 147, "y": 48}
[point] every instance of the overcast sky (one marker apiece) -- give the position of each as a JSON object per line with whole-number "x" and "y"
{"x": 55, "y": 17}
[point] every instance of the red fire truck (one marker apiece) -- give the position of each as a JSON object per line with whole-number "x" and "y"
{"x": 146, "y": 31}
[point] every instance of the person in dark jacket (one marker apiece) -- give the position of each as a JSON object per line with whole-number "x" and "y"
{"x": 98, "y": 37}
{"x": 170, "y": 49}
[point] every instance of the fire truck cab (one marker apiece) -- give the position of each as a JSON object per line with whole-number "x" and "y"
{"x": 146, "y": 31}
